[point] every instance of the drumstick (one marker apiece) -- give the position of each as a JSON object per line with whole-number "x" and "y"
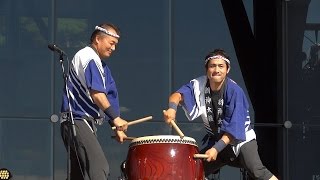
{"x": 174, "y": 125}
{"x": 204, "y": 156}
{"x": 126, "y": 138}
{"x": 136, "y": 121}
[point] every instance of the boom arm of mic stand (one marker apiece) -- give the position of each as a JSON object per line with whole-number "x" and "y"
{"x": 65, "y": 77}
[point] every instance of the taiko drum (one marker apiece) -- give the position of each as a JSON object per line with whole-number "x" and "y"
{"x": 164, "y": 157}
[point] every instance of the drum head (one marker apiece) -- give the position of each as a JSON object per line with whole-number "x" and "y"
{"x": 163, "y": 139}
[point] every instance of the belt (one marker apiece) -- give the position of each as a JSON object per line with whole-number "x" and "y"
{"x": 98, "y": 121}
{"x": 65, "y": 116}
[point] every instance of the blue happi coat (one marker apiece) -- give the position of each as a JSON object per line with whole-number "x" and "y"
{"x": 88, "y": 72}
{"x": 236, "y": 119}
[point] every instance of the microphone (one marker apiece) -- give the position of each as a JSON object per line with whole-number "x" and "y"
{"x": 54, "y": 47}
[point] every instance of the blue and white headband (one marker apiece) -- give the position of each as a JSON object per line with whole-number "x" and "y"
{"x": 217, "y": 57}
{"x": 107, "y": 32}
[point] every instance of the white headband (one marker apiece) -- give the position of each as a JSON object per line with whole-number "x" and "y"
{"x": 107, "y": 32}
{"x": 217, "y": 57}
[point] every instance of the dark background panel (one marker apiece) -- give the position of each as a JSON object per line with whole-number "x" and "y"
{"x": 274, "y": 53}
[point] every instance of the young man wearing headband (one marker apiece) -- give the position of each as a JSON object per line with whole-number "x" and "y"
{"x": 224, "y": 109}
{"x": 93, "y": 98}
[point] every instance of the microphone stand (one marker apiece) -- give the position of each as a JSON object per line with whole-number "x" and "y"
{"x": 70, "y": 118}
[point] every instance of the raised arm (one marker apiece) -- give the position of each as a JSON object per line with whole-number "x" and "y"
{"x": 174, "y": 100}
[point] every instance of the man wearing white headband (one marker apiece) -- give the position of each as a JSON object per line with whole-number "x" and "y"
{"x": 224, "y": 109}
{"x": 93, "y": 99}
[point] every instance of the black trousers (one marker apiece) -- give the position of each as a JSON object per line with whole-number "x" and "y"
{"x": 88, "y": 161}
{"x": 248, "y": 159}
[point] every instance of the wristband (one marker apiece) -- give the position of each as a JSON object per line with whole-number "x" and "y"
{"x": 220, "y": 145}
{"x": 110, "y": 113}
{"x": 173, "y": 105}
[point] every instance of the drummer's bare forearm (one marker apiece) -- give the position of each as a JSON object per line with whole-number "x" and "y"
{"x": 227, "y": 138}
{"x": 176, "y": 98}
{"x": 100, "y": 99}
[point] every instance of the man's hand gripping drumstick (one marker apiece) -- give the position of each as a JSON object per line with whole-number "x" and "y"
{"x": 121, "y": 128}
{"x": 168, "y": 119}
{"x": 101, "y": 100}
{"x": 170, "y": 114}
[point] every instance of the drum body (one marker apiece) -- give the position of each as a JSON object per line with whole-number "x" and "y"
{"x": 164, "y": 157}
